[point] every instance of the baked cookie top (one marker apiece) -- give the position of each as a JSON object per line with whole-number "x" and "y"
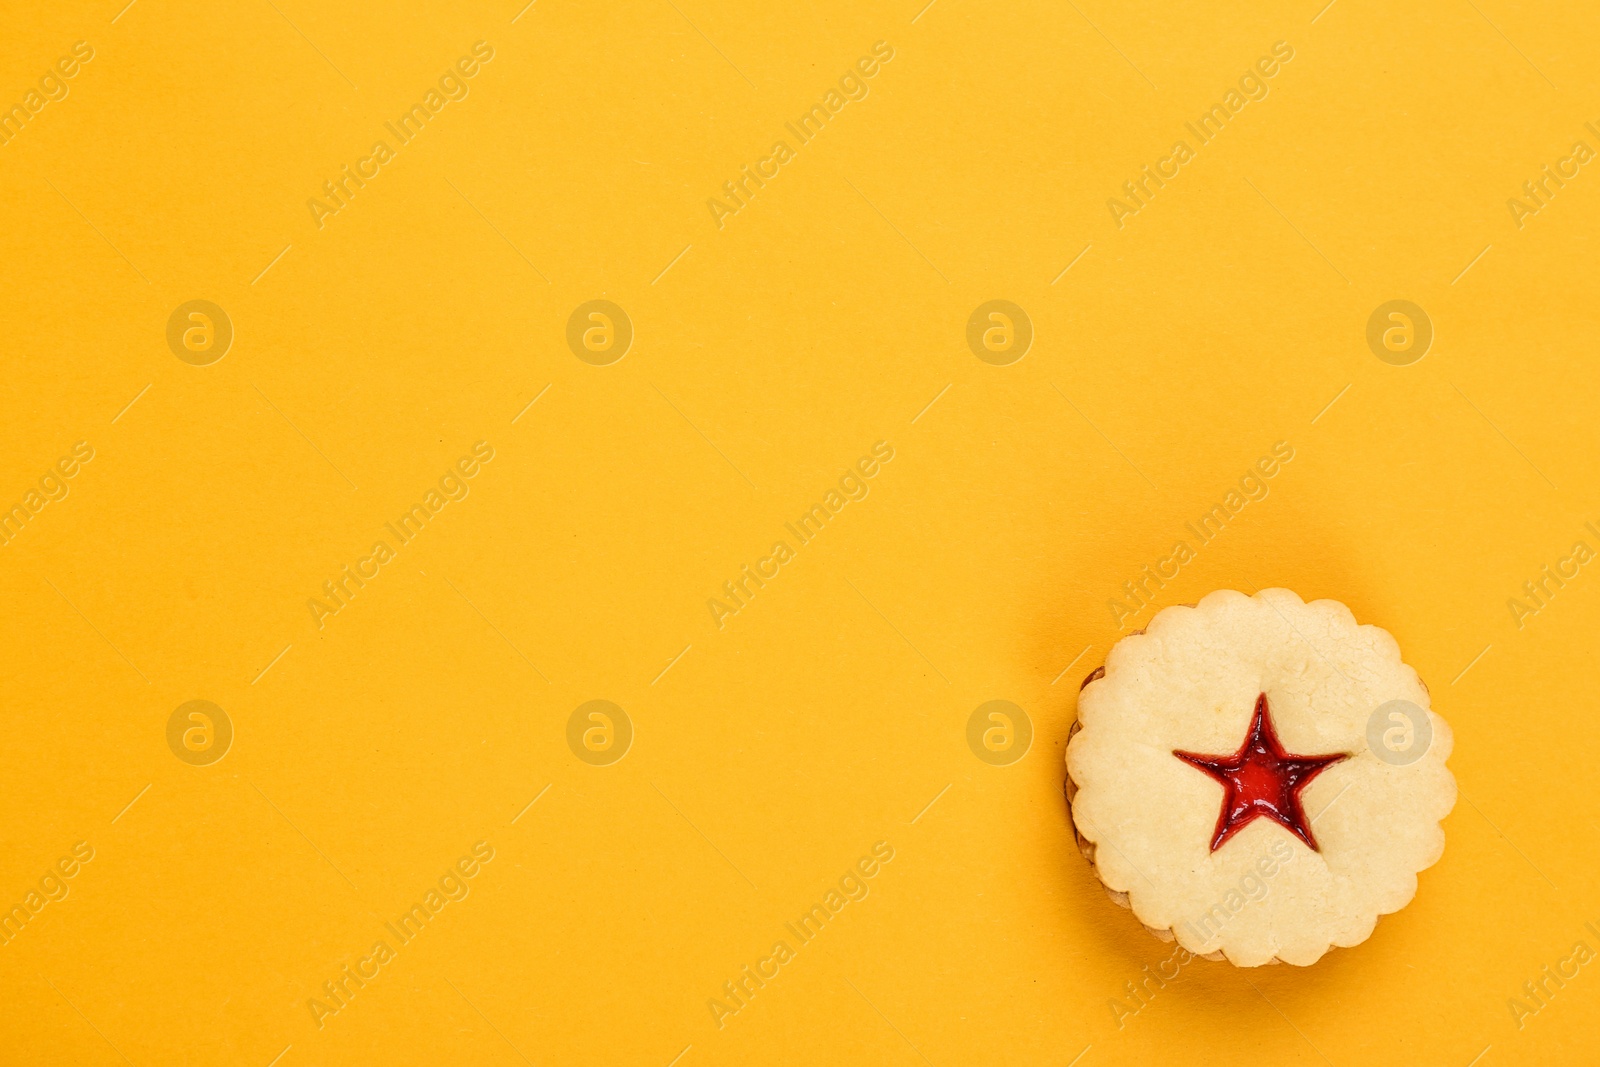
{"x": 1259, "y": 777}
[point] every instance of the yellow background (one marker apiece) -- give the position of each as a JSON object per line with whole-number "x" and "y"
{"x": 768, "y": 356}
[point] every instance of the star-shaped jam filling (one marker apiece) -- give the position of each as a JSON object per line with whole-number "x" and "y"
{"x": 1261, "y": 779}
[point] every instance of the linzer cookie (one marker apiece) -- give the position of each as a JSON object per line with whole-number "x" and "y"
{"x": 1258, "y": 777}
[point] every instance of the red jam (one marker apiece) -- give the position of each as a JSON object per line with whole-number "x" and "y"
{"x": 1261, "y": 779}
